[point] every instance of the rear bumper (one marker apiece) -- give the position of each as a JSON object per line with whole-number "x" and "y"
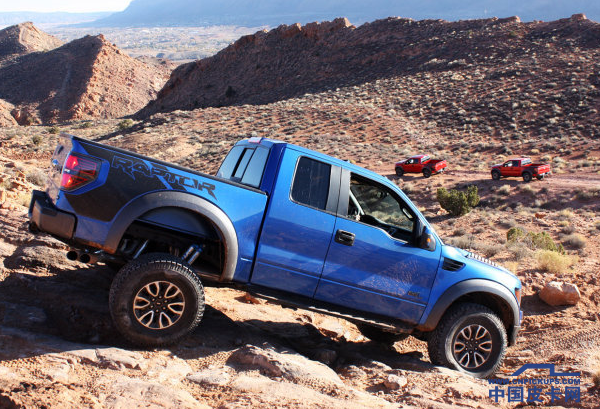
{"x": 44, "y": 216}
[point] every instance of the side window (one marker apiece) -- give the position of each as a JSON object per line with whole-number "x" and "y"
{"x": 228, "y": 165}
{"x": 374, "y": 204}
{"x": 245, "y": 165}
{"x": 311, "y": 183}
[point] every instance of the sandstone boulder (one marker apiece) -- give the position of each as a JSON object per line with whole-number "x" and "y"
{"x": 559, "y": 293}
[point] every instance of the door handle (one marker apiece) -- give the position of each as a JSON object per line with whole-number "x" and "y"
{"x": 345, "y": 237}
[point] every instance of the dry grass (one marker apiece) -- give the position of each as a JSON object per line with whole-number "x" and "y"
{"x": 575, "y": 240}
{"x": 554, "y": 262}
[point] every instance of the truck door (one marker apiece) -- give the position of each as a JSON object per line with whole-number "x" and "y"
{"x": 298, "y": 225}
{"x": 372, "y": 264}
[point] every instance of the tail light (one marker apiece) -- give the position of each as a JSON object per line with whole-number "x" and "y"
{"x": 78, "y": 171}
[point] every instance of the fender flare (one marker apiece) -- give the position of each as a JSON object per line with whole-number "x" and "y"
{"x": 150, "y": 201}
{"x": 470, "y": 286}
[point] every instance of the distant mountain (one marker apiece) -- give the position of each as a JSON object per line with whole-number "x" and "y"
{"x": 86, "y": 78}
{"x": 275, "y": 12}
{"x": 25, "y": 38}
{"x": 48, "y": 19}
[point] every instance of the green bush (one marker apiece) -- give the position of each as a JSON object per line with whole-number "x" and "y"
{"x": 458, "y": 203}
{"x": 543, "y": 241}
{"x": 540, "y": 241}
{"x": 515, "y": 234}
{"x": 125, "y": 123}
{"x": 54, "y": 130}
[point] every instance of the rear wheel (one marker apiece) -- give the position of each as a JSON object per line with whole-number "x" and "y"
{"x": 469, "y": 338}
{"x": 496, "y": 175}
{"x": 379, "y": 335}
{"x": 540, "y": 177}
{"x": 399, "y": 171}
{"x": 527, "y": 176}
{"x": 427, "y": 172}
{"x": 156, "y": 300}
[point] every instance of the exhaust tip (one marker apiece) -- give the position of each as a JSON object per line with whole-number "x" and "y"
{"x": 72, "y": 255}
{"x": 85, "y": 258}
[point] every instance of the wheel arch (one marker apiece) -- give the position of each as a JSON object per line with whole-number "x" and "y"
{"x": 484, "y": 292}
{"x": 154, "y": 201}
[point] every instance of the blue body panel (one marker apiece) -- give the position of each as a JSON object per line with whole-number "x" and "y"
{"x": 294, "y": 239}
{"x": 378, "y": 273}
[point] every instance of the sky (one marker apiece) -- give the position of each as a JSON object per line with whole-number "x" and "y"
{"x": 73, "y": 6}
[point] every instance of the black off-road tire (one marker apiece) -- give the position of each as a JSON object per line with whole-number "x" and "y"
{"x": 427, "y": 172}
{"x": 444, "y": 343}
{"x": 178, "y": 300}
{"x": 540, "y": 177}
{"x": 399, "y": 171}
{"x": 379, "y": 335}
{"x": 496, "y": 175}
{"x": 527, "y": 176}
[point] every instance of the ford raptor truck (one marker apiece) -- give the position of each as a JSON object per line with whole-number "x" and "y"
{"x": 521, "y": 167}
{"x": 286, "y": 224}
{"x": 420, "y": 164}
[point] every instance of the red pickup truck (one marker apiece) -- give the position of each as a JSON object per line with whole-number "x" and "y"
{"x": 421, "y": 164}
{"x": 521, "y": 167}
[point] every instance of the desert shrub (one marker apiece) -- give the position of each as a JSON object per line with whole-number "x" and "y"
{"x": 488, "y": 250}
{"x": 504, "y": 190}
{"x": 543, "y": 241}
{"x": 86, "y": 125}
{"x": 408, "y": 188}
{"x": 565, "y": 214}
{"x": 575, "y": 240}
{"x": 540, "y": 241}
{"x": 37, "y": 140}
{"x": 458, "y": 203}
{"x": 515, "y": 234}
{"x": 568, "y": 228}
{"x": 463, "y": 242}
{"x": 37, "y": 177}
{"x": 517, "y": 250}
{"x": 124, "y": 124}
{"x": 554, "y": 262}
{"x": 596, "y": 376}
{"x": 587, "y": 194}
{"x": 54, "y": 130}
{"x": 459, "y": 232}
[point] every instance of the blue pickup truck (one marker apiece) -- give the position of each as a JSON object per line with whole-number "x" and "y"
{"x": 284, "y": 223}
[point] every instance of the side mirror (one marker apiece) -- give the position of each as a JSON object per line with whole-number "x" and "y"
{"x": 427, "y": 241}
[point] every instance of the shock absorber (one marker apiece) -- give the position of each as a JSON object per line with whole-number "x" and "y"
{"x": 192, "y": 253}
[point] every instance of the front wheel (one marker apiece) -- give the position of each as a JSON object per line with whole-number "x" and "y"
{"x": 399, "y": 171}
{"x": 156, "y": 300}
{"x": 426, "y": 172}
{"x": 495, "y": 175}
{"x": 469, "y": 338}
{"x": 540, "y": 177}
{"x": 527, "y": 177}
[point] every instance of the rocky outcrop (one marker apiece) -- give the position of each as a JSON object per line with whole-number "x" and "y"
{"x": 86, "y": 78}
{"x": 289, "y": 61}
{"x": 6, "y": 118}
{"x": 557, "y": 293}
{"x": 25, "y": 38}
